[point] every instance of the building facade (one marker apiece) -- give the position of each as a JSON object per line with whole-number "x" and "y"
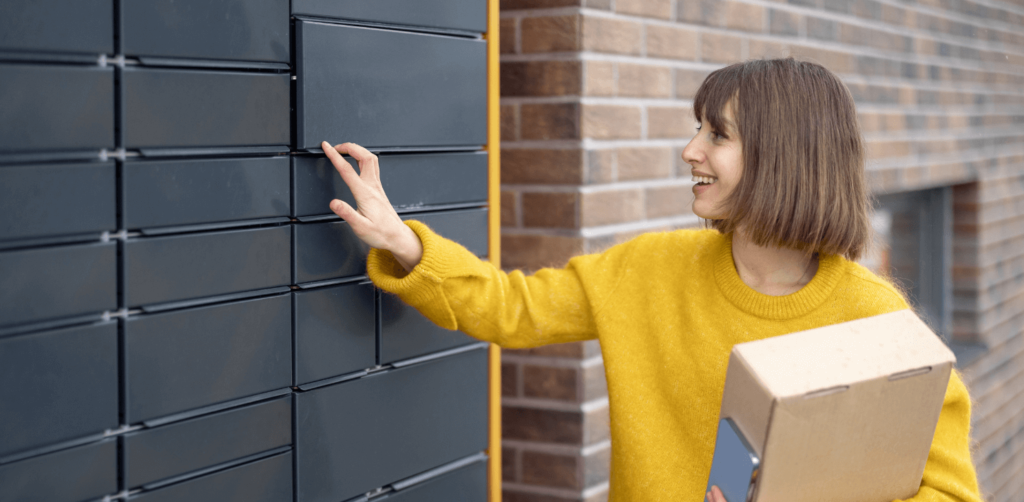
{"x": 596, "y": 98}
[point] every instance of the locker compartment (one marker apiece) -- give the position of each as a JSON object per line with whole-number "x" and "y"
{"x": 465, "y": 226}
{"x": 335, "y": 331}
{"x": 244, "y": 30}
{"x": 265, "y": 480}
{"x": 405, "y": 333}
{"x": 330, "y": 250}
{"x": 179, "y": 267}
{"x": 177, "y": 361}
{"x": 349, "y": 440}
{"x": 58, "y": 385}
{"x": 82, "y": 26}
{"x": 467, "y": 484}
{"x": 327, "y": 251}
{"x": 170, "y": 451}
{"x": 467, "y": 15}
{"x": 411, "y": 181}
{"x": 410, "y": 90}
{"x": 56, "y": 199}
{"x": 204, "y": 109}
{"x": 54, "y": 282}
{"x": 82, "y": 473}
{"x": 186, "y": 192}
{"x": 56, "y": 108}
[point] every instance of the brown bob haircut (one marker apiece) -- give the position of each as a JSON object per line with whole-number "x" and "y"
{"x": 802, "y": 185}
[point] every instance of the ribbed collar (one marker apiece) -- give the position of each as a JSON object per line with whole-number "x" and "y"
{"x": 745, "y": 298}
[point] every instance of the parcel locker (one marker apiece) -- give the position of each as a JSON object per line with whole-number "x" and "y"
{"x": 165, "y": 453}
{"x": 241, "y": 30}
{"x": 164, "y": 108}
{"x": 57, "y": 199}
{"x": 327, "y": 250}
{"x": 410, "y": 89}
{"x": 176, "y": 192}
{"x": 465, "y": 15}
{"x": 68, "y": 26}
{"x": 465, "y": 226}
{"x": 359, "y": 435}
{"x": 467, "y": 484}
{"x": 58, "y": 385}
{"x": 411, "y": 181}
{"x": 181, "y": 360}
{"x": 188, "y": 266}
{"x": 265, "y": 480}
{"x": 405, "y": 333}
{"x": 83, "y": 473}
{"x": 53, "y": 282}
{"x": 55, "y": 108}
{"x": 335, "y": 331}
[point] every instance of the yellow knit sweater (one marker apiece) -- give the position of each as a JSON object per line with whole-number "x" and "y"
{"x": 667, "y": 309}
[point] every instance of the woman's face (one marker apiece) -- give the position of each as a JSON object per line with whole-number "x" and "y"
{"x": 716, "y": 158}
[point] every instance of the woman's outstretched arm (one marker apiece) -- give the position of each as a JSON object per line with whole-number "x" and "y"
{"x": 450, "y": 285}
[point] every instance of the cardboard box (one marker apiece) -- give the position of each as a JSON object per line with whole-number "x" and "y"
{"x": 841, "y": 413}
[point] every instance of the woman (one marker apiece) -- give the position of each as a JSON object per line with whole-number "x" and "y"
{"x": 778, "y": 162}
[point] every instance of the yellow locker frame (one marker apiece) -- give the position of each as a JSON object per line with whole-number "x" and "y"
{"x": 494, "y": 239}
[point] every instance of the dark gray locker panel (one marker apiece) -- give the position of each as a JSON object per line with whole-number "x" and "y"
{"x": 56, "y": 199}
{"x": 248, "y": 30}
{"x": 355, "y": 436}
{"x": 466, "y": 226}
{"x": 58, "y": 282}
{"x": 58, "y": 385}
{"x": 187, "y": 359}
{"x": 410, "y": 181}
{"x": 179, "y": 267}
{"x": 468, "y": 15}
{"x": 410, "y": 89}
{"x": 335, "y": 331}
{"x": 265, "y": 480}
{"x": 327, "y": 251}
{"x": 57, "y": 25}
{"x": 82, "y": 473}
{"x": 405, "y": 333}
{"x": 56, "y": 107}
{"x": 203, "y": 109}
{"x": 187, "y": 192}
{"x": 172, "y": 450}
{"x": 468, "y": 484}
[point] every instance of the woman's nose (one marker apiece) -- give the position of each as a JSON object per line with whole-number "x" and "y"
{"x": 692, "y": 153}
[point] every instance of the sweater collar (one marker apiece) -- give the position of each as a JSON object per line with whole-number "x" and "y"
{"x": 745, "y": 298}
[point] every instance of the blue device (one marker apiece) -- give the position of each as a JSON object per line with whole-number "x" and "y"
{"x": 735, "y": 467}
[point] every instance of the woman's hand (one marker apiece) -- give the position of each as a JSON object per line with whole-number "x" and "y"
{"x": 715, "y": 495}
{"x": 374, "y": 220}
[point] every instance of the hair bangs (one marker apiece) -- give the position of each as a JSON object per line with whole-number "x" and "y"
{"x": 720, "y": 87}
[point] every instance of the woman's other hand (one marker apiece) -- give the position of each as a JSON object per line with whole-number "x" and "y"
{"x": 373, "y": 220}
{"x": 715, "y": 495}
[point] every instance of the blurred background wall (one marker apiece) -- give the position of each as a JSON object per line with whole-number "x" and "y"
{"x": 595, "y": 113}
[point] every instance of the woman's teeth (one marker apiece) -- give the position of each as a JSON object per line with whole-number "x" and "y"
{"x": 704, "y": 180}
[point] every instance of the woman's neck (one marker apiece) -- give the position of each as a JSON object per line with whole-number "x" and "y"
{"x": 771, "y": 270}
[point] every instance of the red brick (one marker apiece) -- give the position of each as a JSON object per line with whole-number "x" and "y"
{"x": 508, "y": 209}
{"x": 541, "y": 78}
{"x": 547, "y": 382}
{"x": 550, "y": 34}
{"x": 532, "y": 252}
{"x": 611, "y": 122}
{"x": 599, "y": 78}
{"x": 644, "y": 163}
{"x": 507, "y": 36}
{"x": 720, "y": 48}
{"x": 549, "y": 209}
{"x": 528, "y": 165}
{"x": 644, "y": 81}
{"x": 671, "y": 42}
{"x": 612, "y": 206}
{"x": 618, "y": 36}
{"x": 673, "y": 122}
{"x": 509, "y": 122}
{"x": 549, "y": 121}
{"x": 558, "y": 471}
{"x": 661, "y": 9}
{"x": 688, "y": 81}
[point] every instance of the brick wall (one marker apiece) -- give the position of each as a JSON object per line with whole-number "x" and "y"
{"x": 595, "y": 113}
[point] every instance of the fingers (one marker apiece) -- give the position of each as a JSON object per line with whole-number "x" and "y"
{"x": 344, "y": 168}
{"x": 716, "y": 495}
{"x": 367, "y": 161}
{"x": 347, "y": 213}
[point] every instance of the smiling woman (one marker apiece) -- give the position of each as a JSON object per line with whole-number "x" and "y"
{"x": 779, "y": 174}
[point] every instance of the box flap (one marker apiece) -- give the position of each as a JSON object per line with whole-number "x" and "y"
{"x": 833, "y": 356}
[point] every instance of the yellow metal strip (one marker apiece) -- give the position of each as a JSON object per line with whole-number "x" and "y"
{"x": 494, "y": 238}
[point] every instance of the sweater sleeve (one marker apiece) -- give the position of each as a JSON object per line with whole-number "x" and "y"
{"x": 949, "y": 472}
{"x": 456, "y": 290}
